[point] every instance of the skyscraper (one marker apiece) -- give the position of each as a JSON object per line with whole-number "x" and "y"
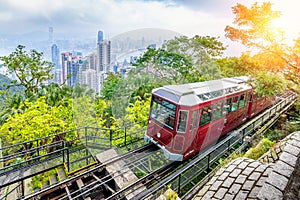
{"x": 55, "y": 60}
{"x": 100, "y": 37}
{"x": 66, "y": 65}
{"x": 55, "y": 56}
{"x": 104, "y": 56}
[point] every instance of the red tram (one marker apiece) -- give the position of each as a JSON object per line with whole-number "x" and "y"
{"x": 186, "y": 118}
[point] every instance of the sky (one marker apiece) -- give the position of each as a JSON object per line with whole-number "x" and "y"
{"x": 113, "y": 17}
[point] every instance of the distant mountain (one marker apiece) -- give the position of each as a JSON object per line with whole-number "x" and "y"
{"x": 153, "y": 34}
{"x": 4, "y": 81}
{"x": 137, "y": 40}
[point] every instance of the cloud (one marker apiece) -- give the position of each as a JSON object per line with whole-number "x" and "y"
{"x": 113, "y": 17}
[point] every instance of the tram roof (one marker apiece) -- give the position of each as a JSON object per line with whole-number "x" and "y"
{"x": 195, "y": 93}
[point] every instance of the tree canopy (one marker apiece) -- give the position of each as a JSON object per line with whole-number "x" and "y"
{"x": 30, "y": 70}
{"x": 253, "y": 28}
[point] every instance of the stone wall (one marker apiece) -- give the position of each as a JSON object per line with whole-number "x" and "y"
{"x": 274, "y": 176}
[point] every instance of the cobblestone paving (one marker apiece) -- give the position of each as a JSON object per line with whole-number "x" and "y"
{"x": 245, "y": 178}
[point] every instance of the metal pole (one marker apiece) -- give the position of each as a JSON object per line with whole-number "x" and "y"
{"x": 208, "y": 160}
{"x": 68, "y": 160}
{"x": 110, "y": 138}
{"x": 23, "y": 189}
{"x": 125, "y": 135}
{"x": 63, "y": 146}
{"x": 37, "y": 148}
{"x": 179, "y": 179}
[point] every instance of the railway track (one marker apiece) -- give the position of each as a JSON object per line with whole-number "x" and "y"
{"x": 152, "y": 171}
{"x": 98, "y": 183}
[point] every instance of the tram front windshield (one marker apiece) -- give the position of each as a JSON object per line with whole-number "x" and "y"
{"x": 163, "y": 111}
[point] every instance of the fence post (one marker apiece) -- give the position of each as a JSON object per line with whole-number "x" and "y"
{"x": 179, "y": 179}
{"x": 37, "y": 148}
{"x": 125, "y": 135}
{"x": 110, "y": 138}
{"x": 63, "y": 146}
{"x": 208, "y": 161}
{"x": 23, "y": 188}
{"x": 68, "y": 159}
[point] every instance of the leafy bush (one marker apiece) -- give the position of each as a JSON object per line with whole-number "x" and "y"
{"x": 260, "y": 149}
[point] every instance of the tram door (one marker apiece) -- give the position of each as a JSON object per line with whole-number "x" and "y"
{"x": 194, "y": 124}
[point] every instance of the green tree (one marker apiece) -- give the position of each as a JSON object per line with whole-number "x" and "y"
{"x": 30, "y": 70}
{"x": 109, "y": 85}
{"x": 38, "y": 120}
{"x": 183, "y": 60}
{"x": 254, "y": 29}
{"x": 83, "y": 111}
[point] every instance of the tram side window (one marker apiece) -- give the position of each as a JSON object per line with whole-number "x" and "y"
{"x": 182, "y": 120}
{"x": 235, "y": 104}
{"x": 227, "y": 106}
{"x": 206, "y": 115}
{"x": 217, "y": 110}
{"x": 242, "y": 101}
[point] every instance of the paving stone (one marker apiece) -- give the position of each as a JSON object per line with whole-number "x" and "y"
{"x": 294, "y": 143}
{"x": 208, "y": 195}
{"x": 223, "y": 176}
{"x": 254, "y": 176}
{"x": 212, "y": 180}
{"x": 292, "y": 149}
{"x": 296, "y": 136}
{"x": 242, "y": 195}
{"x": 243, "y": 165}
{"x": 284, "y": 169}
{"x": 278, "y": 181}
{"x": 230, "y": 168}
{"x": 254, "y": 192}
{"x": 238, "y": 161}
{"x": 235, "y": 173}
{"x": 268, "y": 171}
{"x": 215, "y": 186}
{"x": 220, "y": 193}
{"x": 255, "y": 164}
{"x": 203, "y": 190}
{"x": 248, "y": 185}
{"x": 261, "y": 181}
{"x": 260, "y": 168}
{"x": 220, "y": 172}
{"x": 247, "y": 171}
{"x": 194, "y": 198}
{"x": 234, "y": 189}
{"x": 228, "y": 197}
{"x": 269, "y": 192}
{"x": 228, "y": 182}
{"x": 288, "y": 158}
{"x": 240, "y": 179}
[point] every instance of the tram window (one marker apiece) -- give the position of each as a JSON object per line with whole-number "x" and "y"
{"x": 227, "y": 106}
{"x": 163, "y": 111}
{"x": 194, "y": 119}
{"x": 242, "y": 101}
{"x": 206, "y": 115}
{"x": 217, "y": 110}
{"x": 182, "y": 120}
{"x": 235, "y": 104}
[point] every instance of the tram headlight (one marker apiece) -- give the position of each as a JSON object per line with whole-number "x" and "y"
{"x": 158, "y": 135}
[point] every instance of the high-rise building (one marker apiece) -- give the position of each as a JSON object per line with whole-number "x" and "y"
{"x": 66, "y": 65}
{"x": 104, "y": 56}
{"x": 57, "y": 66}
{"x": 55, "y": 56}
{"x": 100, "y": 37}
